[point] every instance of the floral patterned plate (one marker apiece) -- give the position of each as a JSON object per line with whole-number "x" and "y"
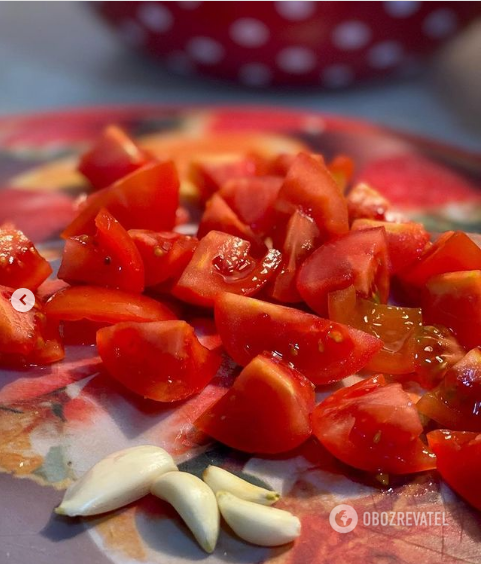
{"x": 56, "y": 421}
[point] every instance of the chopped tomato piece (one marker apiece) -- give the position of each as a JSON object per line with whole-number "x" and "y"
{"x": 452, "y": 252}
{"x": 145, "y": 199}
{"x": 165, "y": 255}
{"x": 108, "y": 258}
{"x": 322, "y": 350}
{"x": 359, "y": 258}
{"x": 221, "y": 263}
{"x": 373, "y": 426}
{"x": 454, "y": 300}
{"x": 405, "y": 241}
{"x": 310, "y": 186}
{"x": 266, "y": 411}
{"x": 218, "y": 216}
{"x": 363, "y": 202}
{"x": 342, "y": 169}
{"x": 302, "y": 237}
{"x": 113, "y": 156}
{"x": 253, "y": 200}
{"x": 160, "y": 360}
{"x": 458, "y": 456}
{"x": 104, "y": 305}
{"x": 456, "y": 402}
{"x": 21, "y": 266}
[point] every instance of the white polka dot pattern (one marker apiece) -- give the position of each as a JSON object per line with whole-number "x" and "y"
{"x": 295, "y": 10}
{"x": 440, "y": 24}
{"x": 351, "y": 35}
{"x": 155, "y": 17}
{"x": 205, "y": 50}
{"x": 249, "y": 32}
{"x": 189, "y": 5}
{"x": 401, "y": 8}
{"x": 296, "y": 60}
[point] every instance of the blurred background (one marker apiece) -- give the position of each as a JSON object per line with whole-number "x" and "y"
{"x": 412, "y": 65}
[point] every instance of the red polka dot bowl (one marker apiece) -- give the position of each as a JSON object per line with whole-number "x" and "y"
{"x": 332, "y": 44}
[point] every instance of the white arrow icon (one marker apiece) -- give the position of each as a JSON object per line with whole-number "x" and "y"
{"x": 23, "y": 300}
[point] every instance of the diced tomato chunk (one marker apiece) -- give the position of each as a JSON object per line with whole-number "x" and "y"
{"x": 113, "y": 156}
{"x": 222, "y": 263}
{"x": 160, "y": 360}
{"x": 342, "y": 169}
{"x": 322, "y": 350}
{"x": 21, "y": 266}
{"x": 108, "y": 258}
{"x": 359, "y": 258}
{"x": 373, "y": 426}
{"x": 310, "y": 186}
{"x": 266, "y": 411}
{"x": 363, "y": 202}
{"x": 145, "y": 199}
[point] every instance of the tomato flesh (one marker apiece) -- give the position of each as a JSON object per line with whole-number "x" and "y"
{"x": 159, "y": 360}
{"x": 113, "y": 156}
{"x": 364, "y": 202}
{"x": 266, "y": 411}
{"x": 322, "y": 350}
{"x": 145, "y": 199}
{"x": 373, "y": 426}
{"x": 310, "y": 186}
{"x": 458, "y": 457}
{"x": 104, "y": 305}
{"x": 21, "y": 266}
{"x": 359, "y": 258}
{"x": 222, "y": 263}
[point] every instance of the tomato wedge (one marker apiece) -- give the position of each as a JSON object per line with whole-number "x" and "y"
{"x": 108, "y": 258}
{"x": 221, "y": 263}
{"x": 359, "y": 258}
{"x": 302, "y": 237}
{"x": 373, "y": 426}
{"x": 405, "y": 241}
{"x": 145, "y": 199}
{"x": 253, "y": 200}
{"x": 104, "y": 305}
{"x": 458, "y": 457}
{"x": 310, "y": 186}
{"x": 363, "y": 202}
{"x": 342, "y": 169}
{"x": 113, "y": 156}
{"x": 160, "y": 360}
{"x": 21, "y": 266}
{"x": 322, "y": 350}
{"x": 456, "y": 402}
{"x": 266, "y": 411}
{"x": 165, "y": 255}
{"x": 454, "y": 300}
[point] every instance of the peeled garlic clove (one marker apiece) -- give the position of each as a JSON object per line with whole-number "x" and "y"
{"x": 194, "y": 501}
{"x": 219, "y": 479}
{"x": 258, "y": 524}
{"x": 117, "y": 480}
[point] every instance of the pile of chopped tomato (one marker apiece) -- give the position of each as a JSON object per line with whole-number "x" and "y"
{"x": 293, "y": 270}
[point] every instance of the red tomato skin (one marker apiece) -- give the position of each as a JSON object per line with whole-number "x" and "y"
{"x": 454, "y": 300}
{"x": 364, "y": 202}
{"x": 373, "y": 426}
{"x": 405, "y": 241}
{"x": 455, "y": 403}
{"x": 253, "y": 200}
{"x": 221, "y": 263}
{"x": 218, "y": 216}
{"x": 164, "y": 254}
{"x": 302, "y": 237}
{"x": 113, "y": 156}
{"x": 21, "y": 266}
{"x": 310, "y": 186}
{"x": 359, "y": 258}
{"x": 145, "y": 199}
{"x": 342, "y": 169}
{"x": 322, "y": 350}
{"x": 104, "y": 305}
{"x": 266, "y": 411}
{"x": 159, "y": 360}
{"x": 452, "y": 252}
{"x": 458, "y": 457}
{"x": 109, "y": 258}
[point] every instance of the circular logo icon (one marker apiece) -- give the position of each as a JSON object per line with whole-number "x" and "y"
{"x": 23, "y": 300}
{"x": 343, "y": 518}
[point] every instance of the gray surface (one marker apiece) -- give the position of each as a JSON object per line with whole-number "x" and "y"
{"x": 57, "y": 54}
